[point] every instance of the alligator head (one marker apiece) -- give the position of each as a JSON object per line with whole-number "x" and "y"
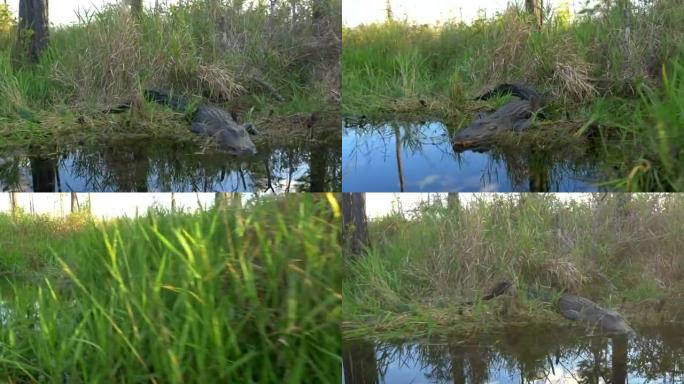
{"x": 514, "y": 116}
{"x": 614, "y": 323}
{"x": 232, "y": 136}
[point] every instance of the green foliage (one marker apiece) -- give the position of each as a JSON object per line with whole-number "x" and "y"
{"x": 6, "y": 19}
{"x": 247, "y": 295}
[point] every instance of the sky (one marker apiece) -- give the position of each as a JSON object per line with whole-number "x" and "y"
{"x": 63, "y": 12}
{"x": 381, "y": 204}
{"x": 108, "y": 205}
{"x": 355, "y": 12}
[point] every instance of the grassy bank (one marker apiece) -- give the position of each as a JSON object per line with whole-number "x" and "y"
{"x": 274, "y": 69}
{"x": 621, "y": 251}
{"x": 249, "y": 295}
{"x": 613, "y": 71}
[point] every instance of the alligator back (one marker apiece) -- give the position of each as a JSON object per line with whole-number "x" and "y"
{"x": 174, "y": 102}
{"x": 522, "y": 91}
{"x": 515, "y": 115}
{"x": 581, "y": 309}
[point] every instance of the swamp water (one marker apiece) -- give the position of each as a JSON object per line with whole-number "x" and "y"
{"x": 419, "y": 157}
{"x": 142, "y": 167}
{"x": 521, "y": 355}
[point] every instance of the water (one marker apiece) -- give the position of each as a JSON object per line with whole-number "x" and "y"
{"x": 427, "y": 162}
{"x": 142, "y": 167}
{"x": 522, "y": 355}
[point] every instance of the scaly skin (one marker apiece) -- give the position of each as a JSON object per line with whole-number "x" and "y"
{"x": 212, "y": 121}
{"x": 516, "y": 116}
{"x": 580, "y": 309}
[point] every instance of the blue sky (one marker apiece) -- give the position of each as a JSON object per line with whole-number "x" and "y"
{"x": 355, "y": 12}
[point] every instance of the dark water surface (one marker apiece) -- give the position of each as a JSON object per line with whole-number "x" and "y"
{"x": 427, "y": 162}
{"x": 522, "y": 355}
{"x": 160, "y": 166}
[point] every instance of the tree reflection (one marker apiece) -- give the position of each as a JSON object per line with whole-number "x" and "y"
{"x": 140, "y": 167}
{"x": 529, "y": 355}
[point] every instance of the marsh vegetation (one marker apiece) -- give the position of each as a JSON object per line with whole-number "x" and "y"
{"x": 429, "y": 271}
{"x": 238, "y": 294}
{"x": 611, "y": 75}
{"x": 276, "y": 67}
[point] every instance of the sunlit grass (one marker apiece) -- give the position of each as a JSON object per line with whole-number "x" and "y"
{"x": 249, "y": 295}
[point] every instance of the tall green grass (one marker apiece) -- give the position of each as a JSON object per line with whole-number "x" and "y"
{"x": 619, "y": 250}
{"x": 248, "y": 295}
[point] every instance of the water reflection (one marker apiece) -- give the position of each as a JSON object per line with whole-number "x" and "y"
{"x": 140, "y": 167}
{"x": 419, "y": 157}
{"x": 529, "y": 355}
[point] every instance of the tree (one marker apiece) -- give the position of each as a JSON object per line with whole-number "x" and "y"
{"x": 452, "y": 200}
{"x": 223, "y": 200}
{"x": 32, "y": 33}
{"x": 74, "y": 202}
{"x": 354, "y": 223}
{"x": 388, "y": 9}
{"x": 136, "y": 7}
{"x": 13, "y": 203}
{"x": 534, "y": 7}
{"x": 6, "y": 20}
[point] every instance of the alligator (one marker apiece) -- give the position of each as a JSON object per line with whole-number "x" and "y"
{"x": 576, "y": 308}
{"x": 515, "y": 115}
{"x": 206, "y": 119}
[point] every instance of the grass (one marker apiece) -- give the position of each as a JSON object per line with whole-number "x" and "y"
{"x": 219, "y": 52}
{"x": 613, "y": 71}
{"x": 621, "y": 251}
{"x": 246, "y": 295}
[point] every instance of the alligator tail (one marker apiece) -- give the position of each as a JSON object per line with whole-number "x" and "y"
{"x": 522, "y": 91}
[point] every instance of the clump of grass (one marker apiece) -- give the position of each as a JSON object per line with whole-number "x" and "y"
{"x": 422, "y": 271}
{"x": 239, "y": 295}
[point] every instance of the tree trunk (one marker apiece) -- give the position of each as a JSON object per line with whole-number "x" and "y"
{"x": 74, "y": 202}
{"x": 452, "y": 200}
{"x": 32, "y": 32}
{"x": 354, "y": 223}
{"x": 534, "y": 7}
{"x": 136, "y": 7}
{"x": 221, "y": 201}
{"x": 318, "y": 16}
{"x": 271, "y": 15}
{"x": 236, "y": 200}
{"x": 13, "y": 203}
{"x": 173, "y": 202}
{"x": 388, "y": 9}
